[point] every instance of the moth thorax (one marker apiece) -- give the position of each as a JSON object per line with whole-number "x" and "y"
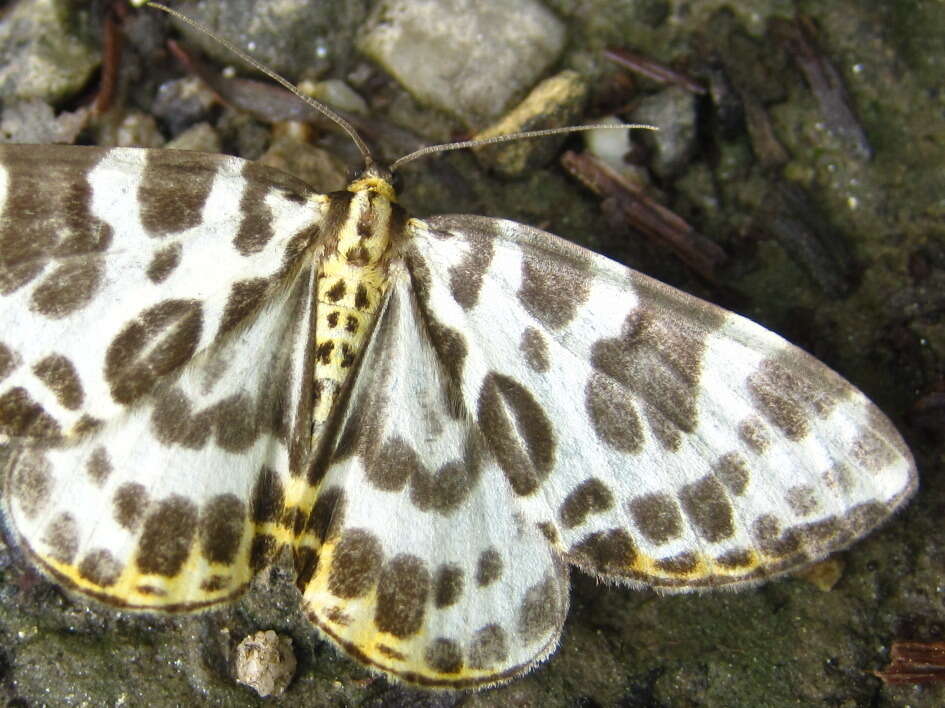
{"x": 352, "y": 279}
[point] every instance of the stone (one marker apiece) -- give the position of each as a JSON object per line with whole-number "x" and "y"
{"x": 266, "y": 663}
{"x": 471, "y": 59}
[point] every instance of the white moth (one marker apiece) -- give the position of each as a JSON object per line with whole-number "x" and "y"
{"x": 203, "y": 361}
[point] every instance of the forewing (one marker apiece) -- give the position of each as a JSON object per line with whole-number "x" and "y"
{"x": 653, "y": 437}
{"x": 416, "y": 559}
{"x": 150, "y": 465}
{"x": 117, "y": 267}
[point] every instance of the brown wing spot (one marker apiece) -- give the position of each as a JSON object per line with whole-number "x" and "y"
{"x": 337, "y": 291}
{"x": 535, "y": 350}
{"x": 151, "y": 590}
{"x": 60, "y": 377}
{"x": 840, "y": 478}
{"x": 392, "y": 466}
{"x": 754, "y": 434}
{"x": 541, "y": 610}
{"x": 402, "y": 592}
{"x": 69, "y": 288}
{"x": 550, "y": 532}
{"x": 447, "y": 586}
{"x": 776, "y": 403}
{"x": 157, "y": 342}
{"x": 444, "y": 656}
{"x": 767, "y": 532}
{"x": 361, "y": 299}
{"x": 332, "y": 318}
{"x": 8, "y": 361}
{"x": 347, "y": 355}
{"x": 62, "y": 537}
{"x": 523, "y": 442}
{"x": 871, "y": 452}
{"x": 657, "y": 357}
{"x": 32, "y": 482}
{"x": 261, "y": 550}
{"x": 657, "y": 517}
{"x": 708, "y": 508}
{"x": 173, "y": 191}
{"x": 447, "y": 488}
{"x": 256, "y": 218}
{"x": 338, "y": 616}
{"x": 328, "y": 514}
{"x": 221, "y": 528}
{"x": 866, "y": 516}
{"x": 366, "y": 222}
{"x": 86, "y": 424}
{"x": 680, "y": 564}
{"x": 163, "y": 263}
{"x": 736, "y": 559}
{"x": 355, "y": 564}
{"x": 100, "y": 568}
{"x": 731, "y": 469}
{"x": 466, "y": 276}
{"x": 215, "y": 583}
{"x": 451, "y": 349}
{"x": 21, "y": 416}
{"x": 299, "y": 518}
{"x": 790, "y": 388}
{"x": 268, "y": 497}
{"x": 351, "y": 324}
{"x": 818, "y": 534}
{"x": 306, "y": 563}
{"x": 173, "y": 422}
{"x": 99, "y": 466}
{"x": 236, "y": 428}
{"x": 590, "y": 497}
{"x": 802, "y": 499}
{"x": 449, "y": 344}
{"x": 396, "y": 464}
{"x": 358, "y": 256}
{"x": 390, "y": 652}
{"x": 167, "y": 537}
{"x": 489, "y": 647}
{"x": 488, "y": 568}
{"x": 323, "y": 352}
{"x": 245, "y": 297}
{"x": 613, "y": 414}
{"x": 129, "y": 505}
{"x": 552, "y": 292}
{"x": 609, "y": 552}
{"x": 14, "y": 275}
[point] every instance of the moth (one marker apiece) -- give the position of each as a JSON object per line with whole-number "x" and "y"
{"x": 203, "y": 361}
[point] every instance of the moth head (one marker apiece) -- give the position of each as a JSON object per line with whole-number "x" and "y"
{"x": 376, "y": 178}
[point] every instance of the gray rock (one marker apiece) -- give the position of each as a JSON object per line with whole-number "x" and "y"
{"x": 33, "y": 121}
{"x": 201, "y": 137}
{"x": 34, "y": 66}
{"x": 673, "y": 111}
{"x": 181, "y": 103}
{"x": 472, "y": 59}
{"x": 291, "y": 37}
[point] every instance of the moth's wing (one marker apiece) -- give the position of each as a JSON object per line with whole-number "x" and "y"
{"x": 655, "y": 438}
{"x": 416, "y": 559}
{"x": 154, "y": 332}
{"x": 136, "y": 261}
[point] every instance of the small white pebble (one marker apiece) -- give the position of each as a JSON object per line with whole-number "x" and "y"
{"x": 266, "y": 663}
